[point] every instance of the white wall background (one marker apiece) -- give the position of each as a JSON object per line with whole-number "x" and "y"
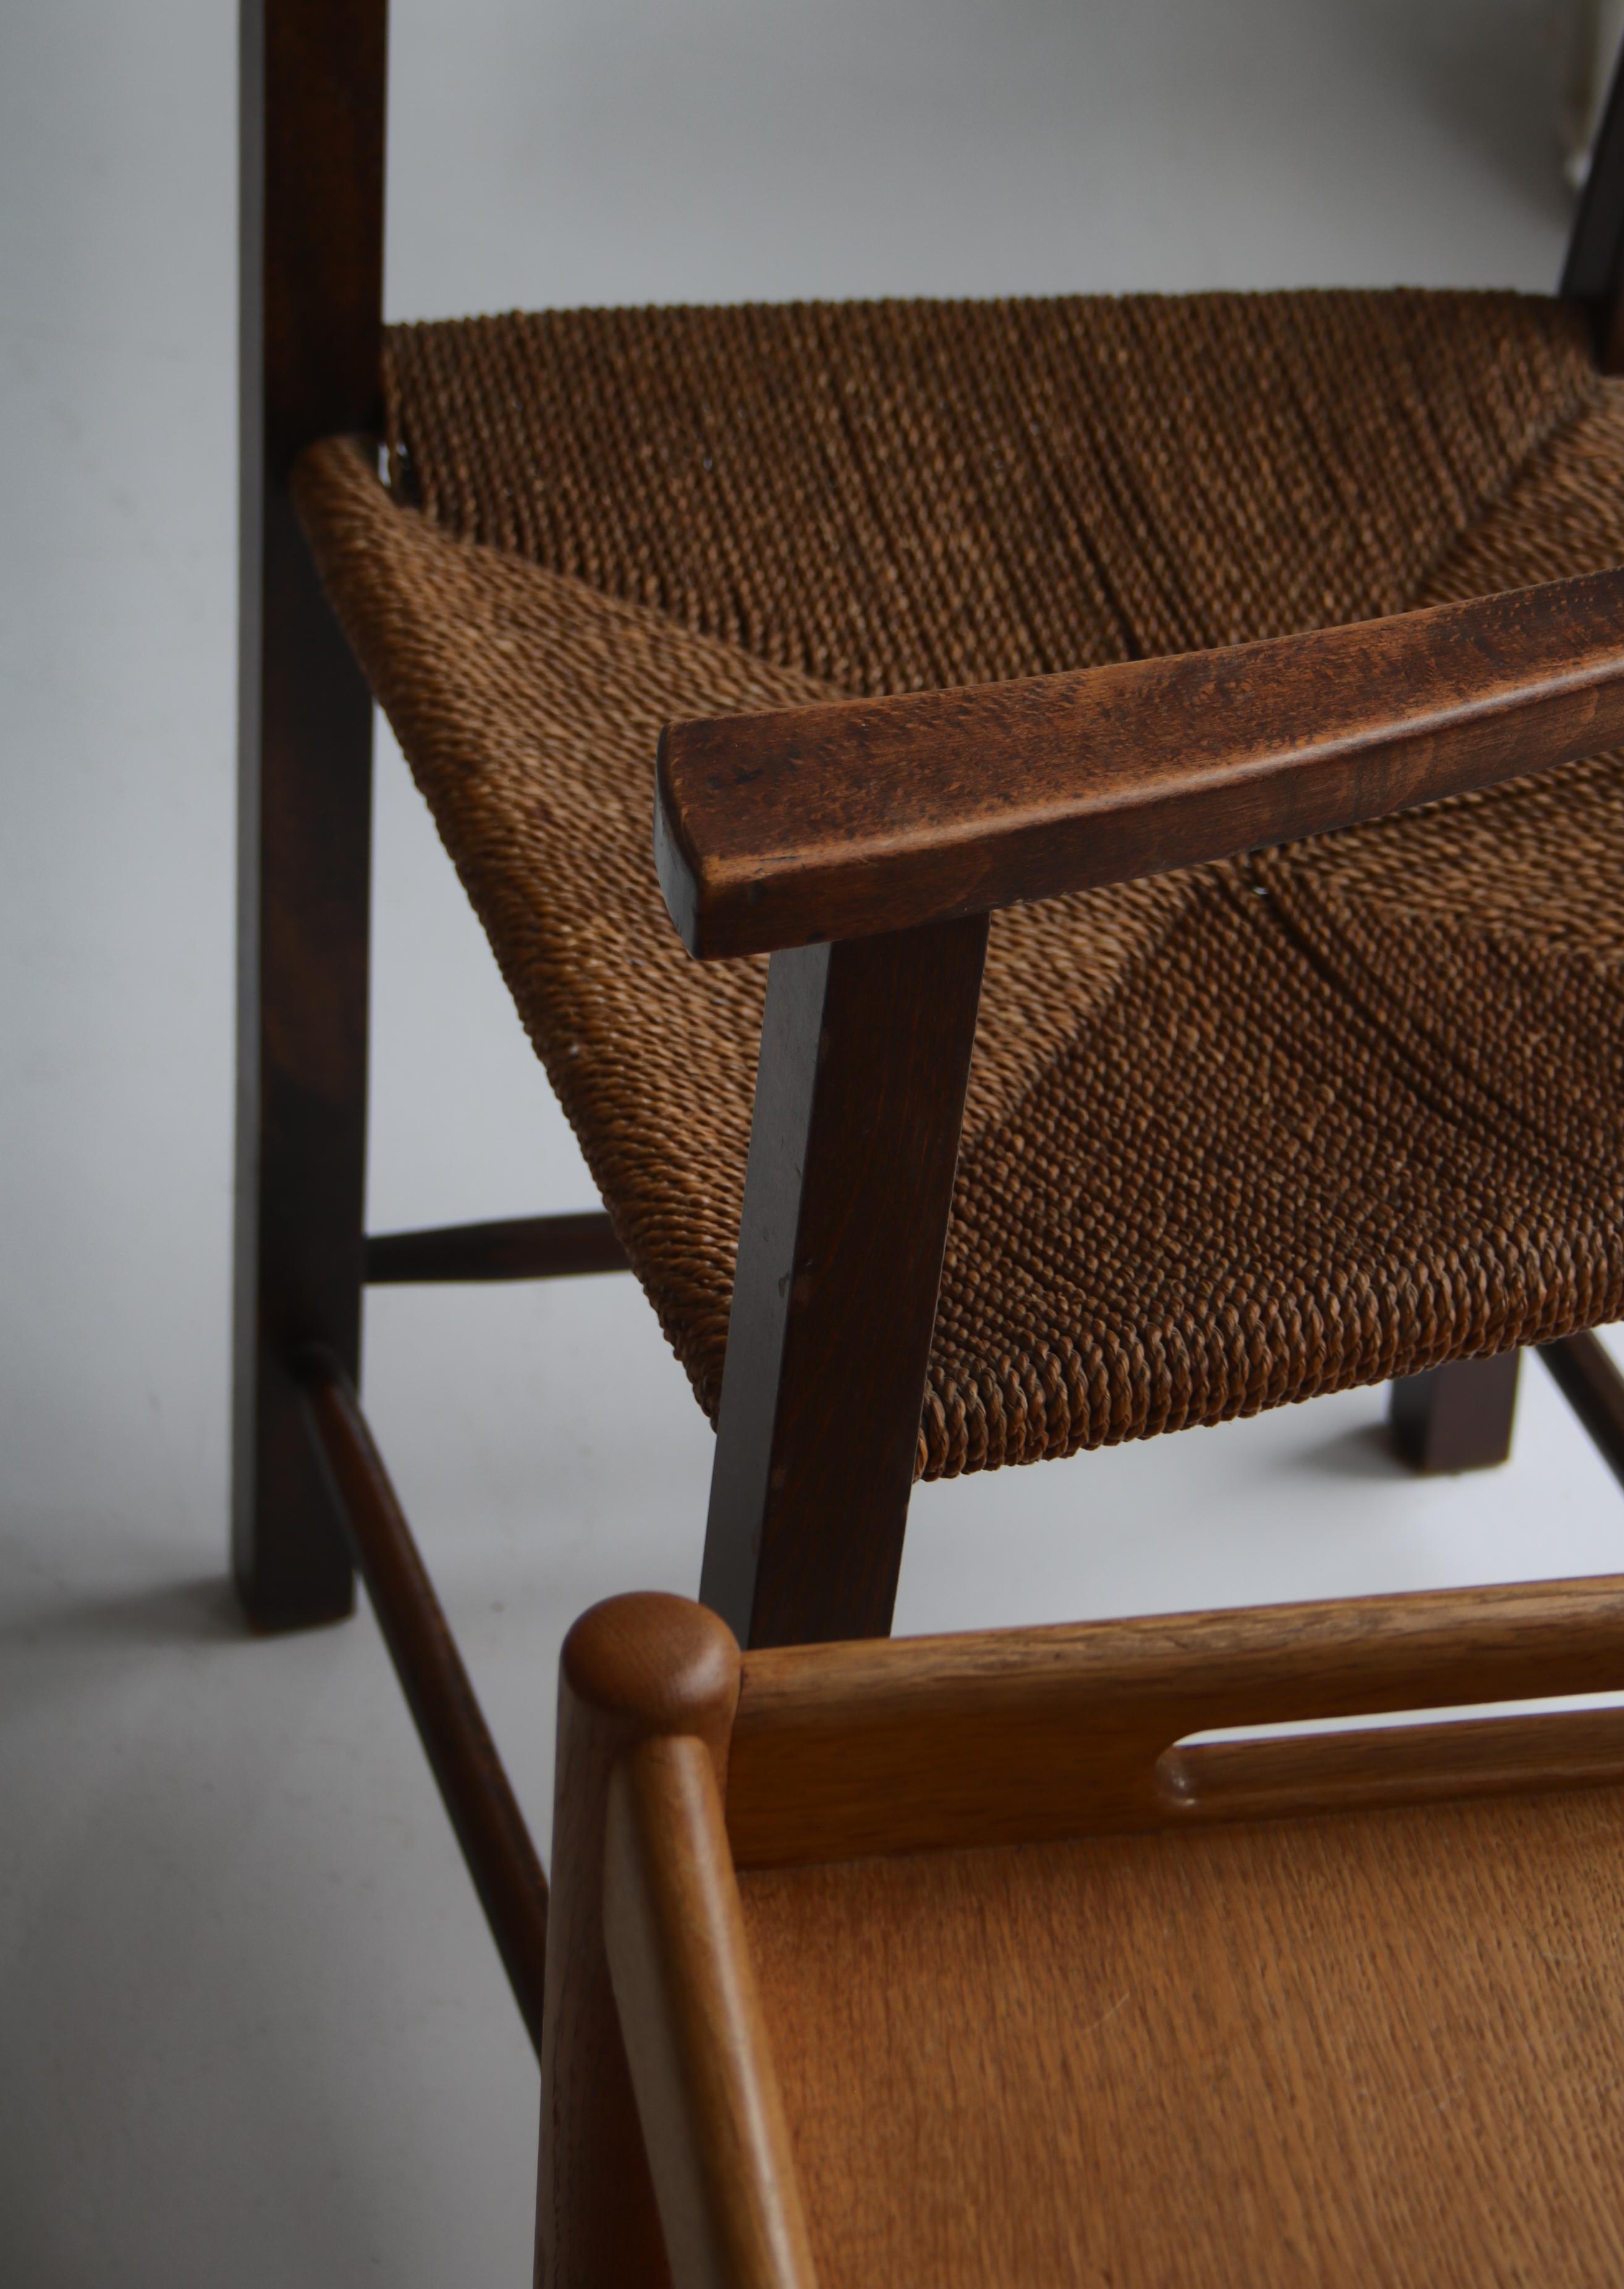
{"x": 249, "y": 2025}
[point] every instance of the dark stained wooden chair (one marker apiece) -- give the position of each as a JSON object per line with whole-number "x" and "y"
{"x": 1134, "y": 776}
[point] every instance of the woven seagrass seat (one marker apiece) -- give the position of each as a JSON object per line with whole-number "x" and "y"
{"x": 1234, "y": 1135}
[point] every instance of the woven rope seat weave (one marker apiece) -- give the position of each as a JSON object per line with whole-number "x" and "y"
{"x": 1236, "y": 1135}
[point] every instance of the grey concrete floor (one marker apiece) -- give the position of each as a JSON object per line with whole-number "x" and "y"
{"x": 250, "y": 2027}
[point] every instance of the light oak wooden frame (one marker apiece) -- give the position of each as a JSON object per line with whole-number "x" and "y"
{"x": 681, "y": 1761}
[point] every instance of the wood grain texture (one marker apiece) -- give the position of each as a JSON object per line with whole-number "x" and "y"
{"x": 1013, "y": 1735}
{"x": 462, "y": 1756}
{"x": 865, "y": 1054}
{"x": 313, "y": 76}
{"x": 632, "y": 1669}
{"x": 521, "y": 1247}
{"x": 1292, "y": 1775}
{"x": 707, "y": 2093}
{"x": 834, "y": 821}
{"x": 1383, "y": 2049}
{"x": 1458, "y": 1417}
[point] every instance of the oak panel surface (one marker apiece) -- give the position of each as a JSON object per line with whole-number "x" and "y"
{"x": 1387, "y": 2048}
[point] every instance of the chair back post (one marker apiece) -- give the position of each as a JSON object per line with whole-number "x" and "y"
{"x": 313, "y": 87}
{"x": 1594, "y": 271}
{"x": 865, "y": 1054}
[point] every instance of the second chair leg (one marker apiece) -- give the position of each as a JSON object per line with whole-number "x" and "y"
{"x": 1457, "y": 1417}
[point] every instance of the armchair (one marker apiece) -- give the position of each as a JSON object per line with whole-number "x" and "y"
{"x": 1251, "y": 662}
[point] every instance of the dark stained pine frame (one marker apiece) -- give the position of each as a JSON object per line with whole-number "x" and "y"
{"x": 865, "y": 1052}
{"x": 314, "y": 81}
{"x": 871, "y": 1003}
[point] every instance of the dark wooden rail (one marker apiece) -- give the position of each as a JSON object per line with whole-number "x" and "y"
{"x": 484, "y": 1812}
{"x": 527, "y": 1248}
{"x": 1594, "y": 1388}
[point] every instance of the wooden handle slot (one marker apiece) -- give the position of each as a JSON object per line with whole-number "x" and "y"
{"x": 1010, "y": 1737}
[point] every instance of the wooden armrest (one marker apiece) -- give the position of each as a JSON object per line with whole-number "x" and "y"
{"x": 861, "y": 816}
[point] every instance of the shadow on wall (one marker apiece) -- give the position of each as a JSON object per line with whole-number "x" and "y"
{"x": 1499, "y": 75}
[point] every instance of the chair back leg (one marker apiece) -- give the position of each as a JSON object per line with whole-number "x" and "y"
{"x": 312, "y": 149}
{"x": 1457, "y": 1417}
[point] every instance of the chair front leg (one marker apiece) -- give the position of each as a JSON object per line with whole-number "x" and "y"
{"x": 865, "y": 1054}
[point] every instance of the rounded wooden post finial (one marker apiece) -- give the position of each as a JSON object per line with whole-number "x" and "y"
{"x": 656, "y": 1662}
